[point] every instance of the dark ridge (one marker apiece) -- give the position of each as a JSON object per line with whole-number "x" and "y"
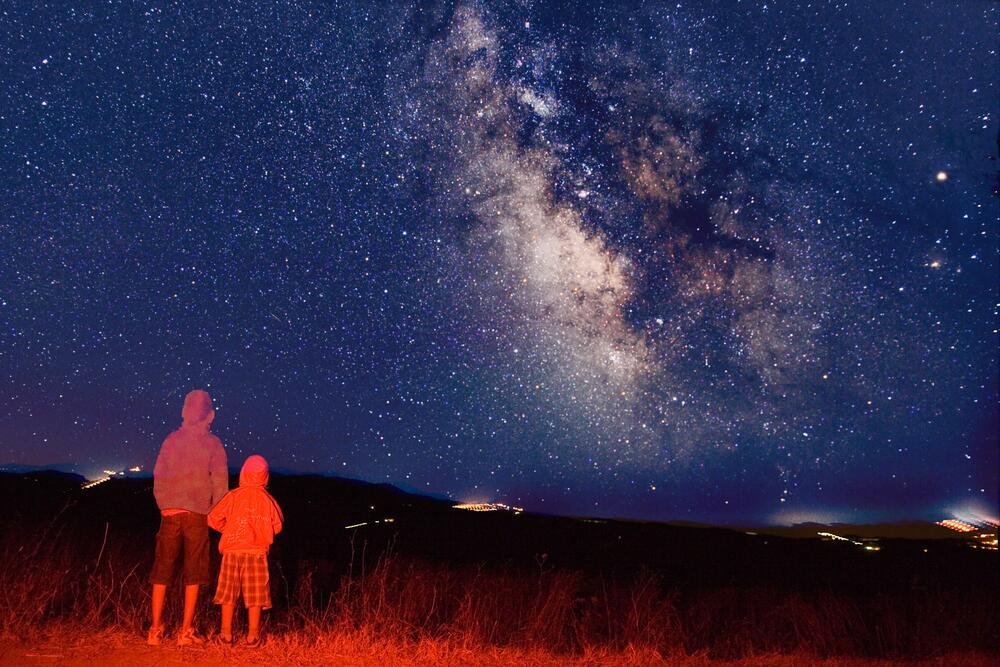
{"x": 331, "y": 520}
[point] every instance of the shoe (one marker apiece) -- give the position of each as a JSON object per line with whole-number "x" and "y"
{"x": 155, "y": 636}
{"x": 254, "y": 642}
{"x": 223, "y": 640}
{"x": 189, "y": 638}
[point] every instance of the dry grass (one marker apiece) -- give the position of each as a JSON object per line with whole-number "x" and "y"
{"x": 74, "y": 646}
{"x": 92, "y": 597}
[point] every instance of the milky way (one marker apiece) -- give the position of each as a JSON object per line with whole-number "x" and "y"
{"x": 717, "y": 262}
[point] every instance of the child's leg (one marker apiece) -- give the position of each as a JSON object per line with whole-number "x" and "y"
{"x": 253, "y": 631}
{"x": 226, "y": 594}
{"x": 227, "y": 621}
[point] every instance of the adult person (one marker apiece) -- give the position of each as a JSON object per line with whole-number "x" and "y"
{"x": 189, "y": 478}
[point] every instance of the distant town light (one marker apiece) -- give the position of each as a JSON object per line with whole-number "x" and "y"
{"x": 841, "y": 538}
{"x": 957, "y": 526}
{"x": 487, "y": 507}
{"x": 365, "y": 523}
{"x": 94, "y": 482}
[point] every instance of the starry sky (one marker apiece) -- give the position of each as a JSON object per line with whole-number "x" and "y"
{"x": 719, "y": 261}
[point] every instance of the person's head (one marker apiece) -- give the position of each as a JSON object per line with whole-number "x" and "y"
{"x": 198, "y": 412}
{"x": 254, "y": 471}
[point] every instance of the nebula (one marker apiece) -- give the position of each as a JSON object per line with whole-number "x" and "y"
{"x": 568, "y": 290}
{"x": 627, "y": 326}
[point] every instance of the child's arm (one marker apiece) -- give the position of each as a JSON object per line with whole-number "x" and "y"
{"x": 217, "y": 516}
{"x": 277, "y": 518}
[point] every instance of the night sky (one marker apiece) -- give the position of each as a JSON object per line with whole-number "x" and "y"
{"x": 721, "y": 261}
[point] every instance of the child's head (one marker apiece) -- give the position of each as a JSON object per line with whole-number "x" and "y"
{"x": 254, "y": 471}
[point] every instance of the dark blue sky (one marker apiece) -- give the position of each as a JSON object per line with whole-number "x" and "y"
{"x": 727, "y": 261}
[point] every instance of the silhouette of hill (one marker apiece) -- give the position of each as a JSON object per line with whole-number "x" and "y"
{"x": 55, "y": 468}
{"x": 352, "y": 542}
{"x": 330, "y": 519}
{"x": 911, "y": 530}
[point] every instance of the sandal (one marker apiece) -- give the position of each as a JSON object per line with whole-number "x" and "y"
{"x": 155, "y": 636}
{"x": 189, "y": 638}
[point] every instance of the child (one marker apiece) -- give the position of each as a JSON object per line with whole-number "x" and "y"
{"x": 248, "y": 518}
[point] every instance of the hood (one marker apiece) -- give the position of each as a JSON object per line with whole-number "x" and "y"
{"x": 254, "y": 472}
{"x": 198, "y": 410}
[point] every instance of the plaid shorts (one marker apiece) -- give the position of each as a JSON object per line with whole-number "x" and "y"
{"x": 244, "y": 573}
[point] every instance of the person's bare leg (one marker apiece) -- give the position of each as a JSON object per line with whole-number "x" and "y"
{"x": 159, "y": 595}
{"x": 253, "y": 617}
{"x": 227, "y": 621}
{"x": 190, "y": 601}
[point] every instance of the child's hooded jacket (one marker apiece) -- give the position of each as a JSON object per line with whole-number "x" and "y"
{"x": 248, "y": 517}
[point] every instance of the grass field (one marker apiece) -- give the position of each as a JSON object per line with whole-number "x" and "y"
{"x": 73, "y": 591}
{"x": 411, "y": 612}
{"x": 75, "y": 646}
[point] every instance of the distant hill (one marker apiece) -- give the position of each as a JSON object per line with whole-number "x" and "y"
{"x": 328, "y": 519}
{"x": 360, "y": 501}
{"x": 56, "y": 478}
{"x": 910, "y": 530}
{"x": 337, "y": 532}
{"x": 59, "y": 468}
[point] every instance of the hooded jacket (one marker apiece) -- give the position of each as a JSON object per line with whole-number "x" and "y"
{"x": 248, "y": 517}
{"x": 190, "y": 471}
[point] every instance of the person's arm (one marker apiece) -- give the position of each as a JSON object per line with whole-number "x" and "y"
{"x": 159, "y": 474}
{"x": 217, "y": 517}
{"x": 219, "y": 472}
{"x": 277, "y": 518}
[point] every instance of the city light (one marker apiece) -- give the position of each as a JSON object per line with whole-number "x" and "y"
{"x": 107, "y": 474}
{"x": 956, "y": 525}
{"x": 866, "y": 544}
{"x": 487, "y": 507}
{"x": 94, "y": 482}
{"x": 367, "y": 523}
{"x": 984, "y": 527}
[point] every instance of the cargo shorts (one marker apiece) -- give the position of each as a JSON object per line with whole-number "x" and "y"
{"x": 182, "y": 537}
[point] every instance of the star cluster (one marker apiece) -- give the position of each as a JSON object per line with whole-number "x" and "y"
{"x": 732, "y": 261}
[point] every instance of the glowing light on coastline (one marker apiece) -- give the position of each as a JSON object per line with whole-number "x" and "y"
{"x": 366, "y": 523}
{"x": 957, "y": 526}
{"x": 487, "y": 507}
{"x": 94, "y": 482}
